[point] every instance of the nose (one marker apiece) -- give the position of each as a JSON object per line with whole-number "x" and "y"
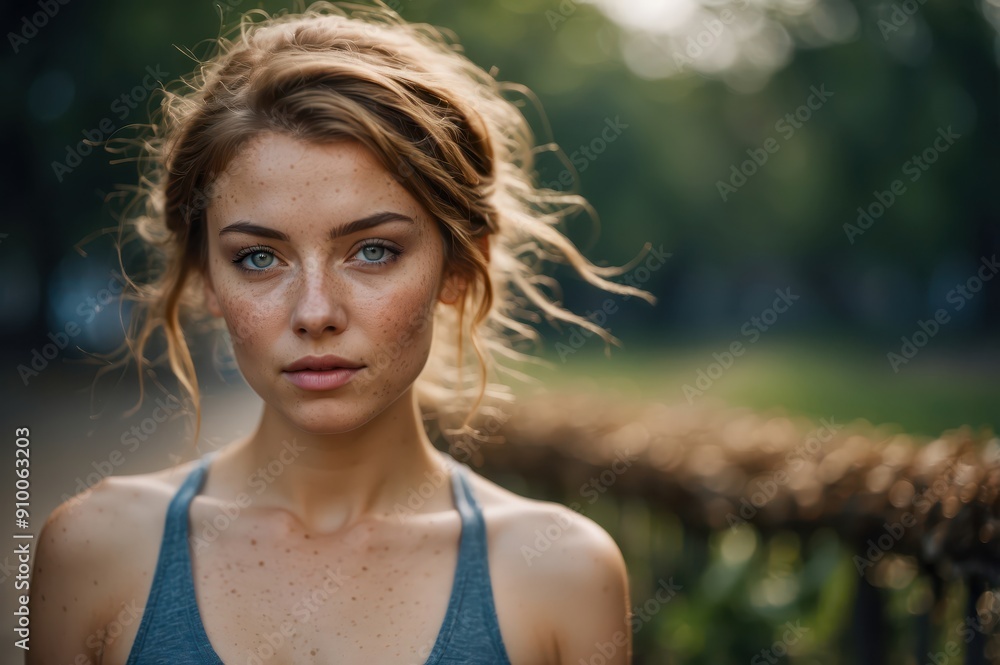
{"x": 318, "y": 303}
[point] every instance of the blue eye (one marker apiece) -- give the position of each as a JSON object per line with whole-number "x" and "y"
{"x": 382, "y": 253}
{"x": 261, "y": 258}
{"x": 378, "y": 250}
{"x": 254, "y": 259}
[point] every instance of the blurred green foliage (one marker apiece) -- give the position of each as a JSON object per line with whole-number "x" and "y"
{"x": 813, "y": 377}
{"x": 658, "y": 183}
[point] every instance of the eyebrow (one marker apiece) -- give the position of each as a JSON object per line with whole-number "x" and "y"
{"x": 248, "y": 227}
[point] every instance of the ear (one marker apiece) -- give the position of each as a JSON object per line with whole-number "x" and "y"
{"x": 211, "y": 300}
{"x": 484, "y": 245}
{"x": 454, "y": 285}
{"x": 451, "y": 289}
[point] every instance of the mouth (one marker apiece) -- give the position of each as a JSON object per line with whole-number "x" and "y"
{"x": 321, "y": 372}
{"x": 321, "y": 379}
{"x": 322, "y": 364}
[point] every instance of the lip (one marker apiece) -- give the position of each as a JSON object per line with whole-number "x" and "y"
{"x": 319, "y": 363}
{"x": 328, "y": 379}
{"x": 325, "y": 372}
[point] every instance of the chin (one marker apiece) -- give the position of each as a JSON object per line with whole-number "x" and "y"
{"x": 330, "y": 412}
{"x": 335, "y": 411}
{"x": 326, "y": 415}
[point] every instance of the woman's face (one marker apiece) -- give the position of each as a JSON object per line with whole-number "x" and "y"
{"x": 293, "y": 277}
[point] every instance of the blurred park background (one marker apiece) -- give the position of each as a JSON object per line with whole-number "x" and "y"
{"x": 816, "y": 179}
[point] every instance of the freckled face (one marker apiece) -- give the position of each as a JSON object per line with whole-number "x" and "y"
{"x": 367, "y": 296}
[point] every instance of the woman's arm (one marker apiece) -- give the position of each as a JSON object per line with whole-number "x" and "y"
{"x": 594, "y": 625}
{"x": 74, "y": 579}
{"x": 574, "y": 576}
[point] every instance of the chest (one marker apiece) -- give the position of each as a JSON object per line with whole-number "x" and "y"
{"x": 269, "y": 592}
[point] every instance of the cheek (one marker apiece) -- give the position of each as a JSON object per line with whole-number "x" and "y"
{"x": 407, "y": 312}
{"x": 248, "y": 318}
{"x": 403, "y": 325}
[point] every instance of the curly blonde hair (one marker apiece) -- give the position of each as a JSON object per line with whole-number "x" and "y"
{"x": 434, "y": 119}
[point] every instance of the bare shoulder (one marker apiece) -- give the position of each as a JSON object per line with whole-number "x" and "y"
{"x": 106, "y": 515}
{"x": 539, "y": 528}
{"x": 109, "y": 520}
{"x": 559, "y": 566}
{"x": 96, "y": 554}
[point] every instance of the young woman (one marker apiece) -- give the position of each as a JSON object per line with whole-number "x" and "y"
{"x": 350, "y": 197}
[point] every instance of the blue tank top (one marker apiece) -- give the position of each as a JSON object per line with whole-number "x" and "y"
{"x": 171, "y": 631}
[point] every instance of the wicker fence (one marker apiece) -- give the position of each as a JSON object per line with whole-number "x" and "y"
{"x": 764, "y": 538}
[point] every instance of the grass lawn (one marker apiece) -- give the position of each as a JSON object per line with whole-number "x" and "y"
{"x": 927, "y": 396}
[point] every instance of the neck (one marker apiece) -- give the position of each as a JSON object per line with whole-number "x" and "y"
{"x": 383, "y": 469}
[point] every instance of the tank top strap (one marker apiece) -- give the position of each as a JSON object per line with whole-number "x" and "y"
{"x": 475, "y": 629}
{"x": 166, "y": 623}
{"x": 176, "y": 529}
{"x": 473, "y": 541}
